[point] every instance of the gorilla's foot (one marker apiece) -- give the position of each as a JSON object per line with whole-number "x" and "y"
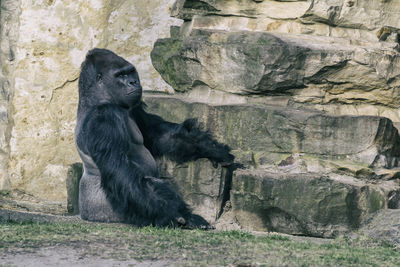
{"x": 197, "y": 222}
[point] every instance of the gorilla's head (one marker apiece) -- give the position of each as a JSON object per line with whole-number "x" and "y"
{"x": 107, "y": 78}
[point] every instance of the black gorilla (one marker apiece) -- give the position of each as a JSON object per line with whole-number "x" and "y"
{"x": 117, "y": 141}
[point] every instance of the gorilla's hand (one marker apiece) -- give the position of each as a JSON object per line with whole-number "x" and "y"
{"x": 201, "y": 144}
{"x": 220, "y": 155}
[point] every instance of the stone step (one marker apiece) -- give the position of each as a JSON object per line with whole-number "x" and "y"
{"x": 310, "y": 69}
{"x": 187, "y": 9}
{"x": 366, "y": 14}
{"x": 266, "y": 135}
{"x": 282, "y": 189}
{"x": 303, "y": 204}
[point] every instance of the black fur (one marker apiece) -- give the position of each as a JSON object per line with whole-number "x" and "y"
{"x": 118, "y": 140}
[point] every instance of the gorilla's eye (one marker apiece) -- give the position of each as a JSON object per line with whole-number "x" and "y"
{"x": 123, "y": 76}
{"x": 129, "y": 70}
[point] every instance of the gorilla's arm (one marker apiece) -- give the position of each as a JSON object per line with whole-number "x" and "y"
{"x": 106, "y": 136}
{"x": 180, "y": 142}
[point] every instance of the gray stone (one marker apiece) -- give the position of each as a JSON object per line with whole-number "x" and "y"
{"x": 23, "y": 217}
{"x": 73, "y": 178}
{"x": 20, "y": 201}
{"x": 262, "y": 135}
{"x": 203, "y": 187}
{"x": 308, "y": 173}
{"x": 309, "y": 69}
{"x": 187, "y": 9}
{"x": 384, "y": 225}
{"x": 302, "y": 204}
{"x": 369, "y": 14}
{"x": 9, "y": 11}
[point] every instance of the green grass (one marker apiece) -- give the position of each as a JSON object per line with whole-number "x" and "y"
{"x": 204, "y": 248}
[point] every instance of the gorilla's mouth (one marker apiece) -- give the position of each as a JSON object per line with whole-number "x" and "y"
{"x": 132, "y": 93}
{"x": 136, "y": 92}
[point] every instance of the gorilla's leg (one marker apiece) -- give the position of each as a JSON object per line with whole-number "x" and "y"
{"x": 93, "y": 204}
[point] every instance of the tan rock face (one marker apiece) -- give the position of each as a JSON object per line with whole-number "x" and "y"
{"x": 8, "y": 39}
{"x": 366, "y": 14}
{"x": 306, "y": 173}
{"x": 53, "y": 39}
{"x": 44, "y": 104}
{"x": 352, "y": 46}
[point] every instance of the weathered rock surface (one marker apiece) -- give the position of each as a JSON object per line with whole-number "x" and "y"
{"x": 308, "y": 173}
{"x": 315, "y": 70}
{"x": 366, "y": 14}
{"x": 186, "y": 9}
{"x": 304, "y": 203}
{"x": 201, "y": 186}
{"x": 384, "y": 225}
{"x": 42, "y": 46}
{"x": 260, "y": 133}
{"x": 274, "y": 64}
{"x": 23, "y": 217}
{"x": 9, "y": 11}
{"x": 337, "y": 56}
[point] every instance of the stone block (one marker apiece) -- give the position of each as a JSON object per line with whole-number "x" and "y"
{"x": 367, "y": 14}
{"x": 303, "y": 204}
{"x": 73, "y": 178}
{"x": 187, "y": 9}
{"x": 382, "y": 225}
{"x": 262, "y": 135}
{"x": 201, "y": 185}
{"x": 309, "y": 69}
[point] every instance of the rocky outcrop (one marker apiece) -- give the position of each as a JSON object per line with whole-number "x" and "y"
{"x": 312, "y": 69}
{"x": 201, "y": 185}
{"x": 311, "y": 204}
{"x": 337, "y": 56}
{"x": 262, "y": 135}
{"x": 187, "y": 9}
{"x": 310, "y": 94}
{"x": 307, "y": 173}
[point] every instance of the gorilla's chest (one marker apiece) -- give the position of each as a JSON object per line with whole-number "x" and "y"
{"x": 139, "y": 153}
{"x": 137, "y": 137}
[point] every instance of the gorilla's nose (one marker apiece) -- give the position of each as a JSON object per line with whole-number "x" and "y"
{"x": 134, "y": 83}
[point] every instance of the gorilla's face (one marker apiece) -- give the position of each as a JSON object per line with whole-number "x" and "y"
{"x": 120, "y": 80}
{"x": 124, "y": 86}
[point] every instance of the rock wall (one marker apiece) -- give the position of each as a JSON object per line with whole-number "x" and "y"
{"x": 307, "y": 95}
{"x": 307, "y": 172}
{"x": 42, "y": 46}
{"x": 9, "y": 11}
{"x": 339, "y": 56}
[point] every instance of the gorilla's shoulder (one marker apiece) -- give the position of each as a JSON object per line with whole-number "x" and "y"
{"x": 112, "y": 110}
{"x": 110, "y": 114}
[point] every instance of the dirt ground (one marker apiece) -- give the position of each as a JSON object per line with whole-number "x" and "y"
{"x": 67, "y": 257}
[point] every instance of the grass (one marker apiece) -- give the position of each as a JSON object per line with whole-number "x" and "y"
{"x": 192, "y": 248}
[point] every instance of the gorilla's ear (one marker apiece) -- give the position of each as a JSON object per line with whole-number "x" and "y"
{"x": 98, "y": 77}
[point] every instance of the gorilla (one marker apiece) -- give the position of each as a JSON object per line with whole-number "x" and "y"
{"x": 118, "y": 142}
